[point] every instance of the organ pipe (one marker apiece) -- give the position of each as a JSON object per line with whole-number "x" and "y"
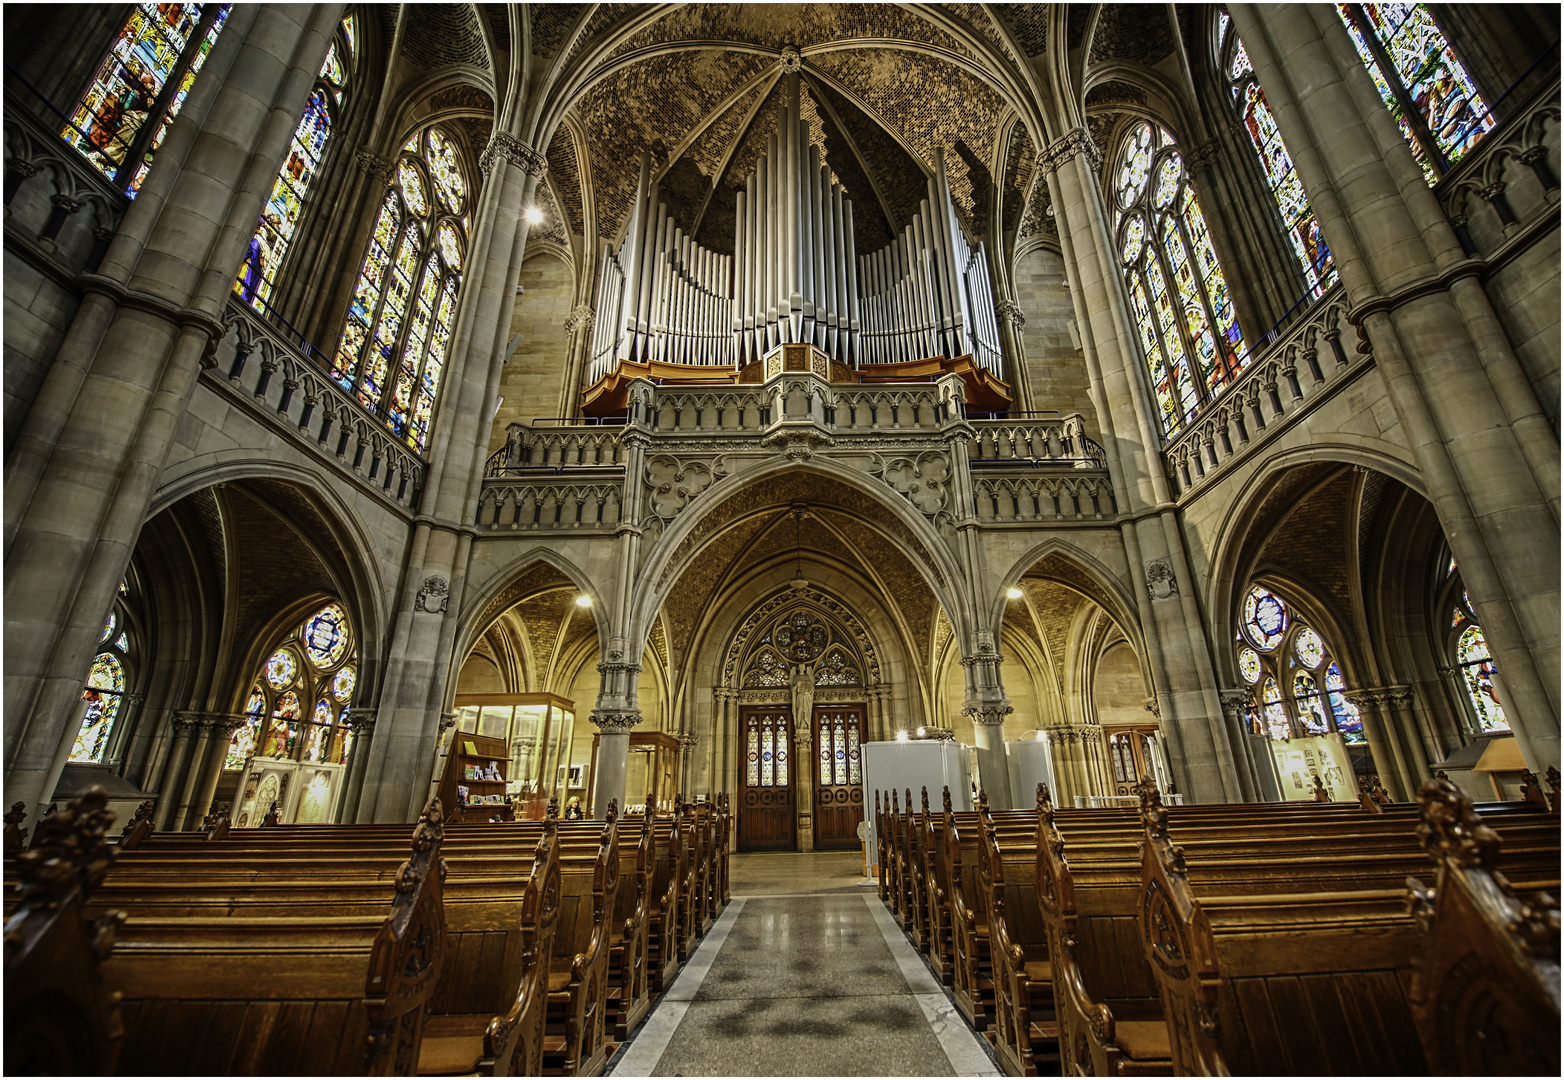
{"x": 795, "y": 275}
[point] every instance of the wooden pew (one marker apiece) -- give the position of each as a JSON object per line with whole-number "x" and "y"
{"x": 15, "y": 840}
{"x": 138, "y": 828}
{"x": 915, "y": 835}
{"x": 629, "y": 987}
{"x": 328, "y": 994}
{"x": 972, "y": 974}
{"x": 60, "y": 1017}
{"x": 669, "y": 871}
{"x": 1485, "y": 995}
{"x": 1253, "y": 954}
{"x": 1025, "y": 1032}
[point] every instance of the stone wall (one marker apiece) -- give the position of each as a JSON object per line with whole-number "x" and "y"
{"x": 1055, "y": 365}
{"x": 533, "y": 379}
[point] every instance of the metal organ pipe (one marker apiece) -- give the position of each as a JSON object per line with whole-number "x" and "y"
{"x": 794, "y": 275}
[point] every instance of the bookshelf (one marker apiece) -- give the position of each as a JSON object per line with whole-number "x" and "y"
{"x": 478, "y": 763}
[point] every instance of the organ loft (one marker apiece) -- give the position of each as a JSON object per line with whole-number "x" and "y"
{"x": 1046, "y": 514}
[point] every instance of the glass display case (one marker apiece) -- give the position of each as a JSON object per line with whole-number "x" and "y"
{"x": 537, "y": 730}
{"x": 652, "y": 768}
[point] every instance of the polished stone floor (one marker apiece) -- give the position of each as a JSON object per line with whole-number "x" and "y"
{"x": 805, "y": 974}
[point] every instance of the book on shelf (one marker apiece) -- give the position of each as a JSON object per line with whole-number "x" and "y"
{"x": 468, "y": 747}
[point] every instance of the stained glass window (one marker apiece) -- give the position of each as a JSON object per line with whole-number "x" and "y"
{"x": 325, "y": 636}
{"x": 752, "y": 757}
{"x": 1298, "y": 220}
{"x": 242, "y": 744}
{"x": 122, "y": 643}
{"x": 767, "y": 669}
{"x": 1178, "y": 291}
{"x": 108, "y": 628}
{"x": 281, "y": 669}
{"x": 1477, "y": 672}
{"x": 105, "y": 689}
{"x": 1425, "y": 87}
{"x": 1309, "y": 647}
{"x": 1265, "y": 617}
{"x": 279, "y": 720}
{"x": 837, "y": 669}
{"x": 1249, "y": 664}
{"x": 399, "y": 323}
{"x": 159, "y": 45}
{"x": 1311, "y": 711}
{"x": 1275, "y": 713}
{"x": 280, "y": 216}
{"x": 854, "y": 769}
{"x": 1348, "y": 720}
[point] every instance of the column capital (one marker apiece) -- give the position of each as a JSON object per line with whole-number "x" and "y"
{"x": 580, "y": 319}
{"x": 988, "y": 713}
{"x": 1011, "y": 312}
{"x": 687, "y": 741}
{"x": 362, "y": 719}
{"x": 502, "y": 144}
{"x": 1073, "y": 142}
{"x": 1154, "y": 707}
{"x": 448, "y": 721}
{"x": 376, "y": 166}
{"x": 614, "y": 721}
{"x": 1204, "y": 156}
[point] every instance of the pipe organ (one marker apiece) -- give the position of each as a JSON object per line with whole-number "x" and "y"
{"x": 795, "y": 276}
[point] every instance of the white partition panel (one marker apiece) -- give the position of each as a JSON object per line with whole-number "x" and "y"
{"x": 1030, "y": 764}
{"x": 914, "y": 765}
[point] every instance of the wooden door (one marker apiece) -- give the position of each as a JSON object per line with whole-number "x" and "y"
{"x": 838, "y": 730}
{"x": 1132, "y": 755}
{"x": 766, "y": 779}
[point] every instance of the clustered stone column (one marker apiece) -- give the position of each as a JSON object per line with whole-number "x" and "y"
{"x": 803, "y": 781}
{"x": 1486, "y": 452}
{"x": 1207, "y": 767}
{"x": 81, "y": 473}
{"x": 402, "y": 759}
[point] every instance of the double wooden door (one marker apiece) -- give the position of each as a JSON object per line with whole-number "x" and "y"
{"x": 1133, "y": 754}
{"x": 838, "y": 768}
{"x": 766, "y": 779}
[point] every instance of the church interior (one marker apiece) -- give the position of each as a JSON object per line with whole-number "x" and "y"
{"x": 782, "y": 539}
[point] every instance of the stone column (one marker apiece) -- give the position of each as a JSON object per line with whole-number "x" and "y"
{"x": 804, "y": 781}
{"x": 687, "y": 761}
{"x": 1012, "y": 324}
{"x": 613, "y": 754}
{"x": 193, "y": 773}
{"x": 578, "y": 324}
{"x": 1386, "y": 752}
{"x": 1487, "y": 453}
{"x": 1176, "y": 648}
{"x": 988, "y": 731}
{"x": 222, "y": 726}
{"x": 361, "y": 722}
{"x": 81, "y": 473}
{"x": 420, "y": 661}
{"x": 1400, "y": 700}
{"x": 1235, "y": 710}
{"x": 185, "y": 725}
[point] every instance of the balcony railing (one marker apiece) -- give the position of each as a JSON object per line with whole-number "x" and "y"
{"x": 1286, "y": 379}
{"x": 311, "y": 408}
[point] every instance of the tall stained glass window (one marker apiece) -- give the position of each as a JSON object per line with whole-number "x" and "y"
{"x": 122, "y": 119}
{"x": 1425, "y": 87}
{"x": 1184, "y": 311}
{"x": 1254, "y": 115}
{"x": 280, "y": 216}
{"x": 1473, "y": 663}
{"x": 393, "y": 348}
{"x": 103, "y": 698}
{"x": 315, "y": 663}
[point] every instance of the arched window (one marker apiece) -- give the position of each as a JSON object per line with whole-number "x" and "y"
{"x": 1254, "y": 115}
{"x": 393, "y": 347}
{"x": 298, "y": 702}
{"x": 104, "y": 694}
{"x": 280, "y": 216}
{"x": 1428, "y": 91}
{"x": 1276, "y": 651}
{"x": 148, "y": 72}
{"x": 1188, "y": 327}
{"x": 1470, "y": 659}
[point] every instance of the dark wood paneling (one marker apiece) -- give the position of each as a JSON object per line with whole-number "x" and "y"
{"x": 838, "y": 807}
{"x": 765, "y": 811}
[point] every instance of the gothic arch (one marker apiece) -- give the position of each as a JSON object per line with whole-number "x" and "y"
{"x": 485, "y": 602}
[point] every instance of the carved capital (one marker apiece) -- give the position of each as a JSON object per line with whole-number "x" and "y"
{"x": 686, "y": 741}
{"x": 377, "y": 167}
{"x": 447, "y": 721}
{"x": 1073, "y": 142}
{"x": 362, "y": 720}
{"x": 1492, "y": 191}
{"x": 66, "y": 203}
{"x": 790, "y": 60}
{"x": 988, "y": 713}
{"x": 579, "y": 320}
{"x": 1011, "y": 312}
{"x": 1204, "y": 156}
{"x": 504, "y": 145}
{"x": 1152, "y": 706}
{"x": 614, "y": 721}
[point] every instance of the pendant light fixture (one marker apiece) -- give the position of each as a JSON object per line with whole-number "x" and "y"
{"x": 798, "y": 581}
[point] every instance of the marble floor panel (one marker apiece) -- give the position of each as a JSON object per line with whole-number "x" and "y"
{"x": 804, "y": 974}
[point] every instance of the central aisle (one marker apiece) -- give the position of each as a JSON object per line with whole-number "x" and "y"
{"x": 805, "y": 974}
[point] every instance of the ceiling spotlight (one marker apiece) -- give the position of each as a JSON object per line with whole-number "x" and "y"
{"x": 1013, "y": 593}
{"x": 583, "y": 600}
{"x": 534, "y": 215}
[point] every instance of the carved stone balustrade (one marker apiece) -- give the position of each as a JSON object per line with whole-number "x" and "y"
{"x": 1289, "y": 377}
{"x": 1507, "y": 187}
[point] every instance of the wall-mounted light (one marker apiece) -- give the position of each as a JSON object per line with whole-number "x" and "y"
{"x": 1013, "y": 593}
{"x": 901, "y": 736}
{"x": 583, "y": 600}
{"x": 533, "y": 215}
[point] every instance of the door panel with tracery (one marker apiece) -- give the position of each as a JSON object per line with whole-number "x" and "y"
{"x": 765, "y": 788}
{"x": 838, "y": 768}
{"x": 1132, "y": 755}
